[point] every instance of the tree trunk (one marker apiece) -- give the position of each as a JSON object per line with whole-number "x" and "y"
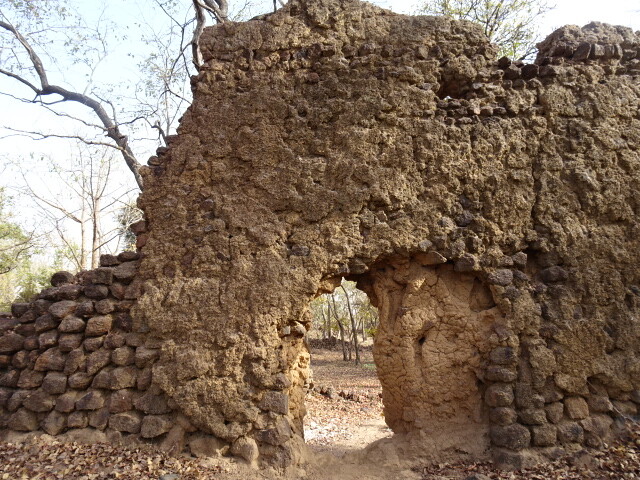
{"x": 354, "y": 328}
{"x": 341, "y": 327}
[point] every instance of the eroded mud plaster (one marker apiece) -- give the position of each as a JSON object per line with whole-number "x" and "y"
{"x": 489, "y": 208}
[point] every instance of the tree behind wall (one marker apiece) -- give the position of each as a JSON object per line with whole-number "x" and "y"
{"x": 510, "y": 24}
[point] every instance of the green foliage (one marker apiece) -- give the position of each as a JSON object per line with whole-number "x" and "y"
{"x": 510, "y": 24}
{"x": 15, "y": 244}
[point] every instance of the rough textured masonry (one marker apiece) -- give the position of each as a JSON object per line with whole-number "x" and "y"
{"x": 489, "y": 209}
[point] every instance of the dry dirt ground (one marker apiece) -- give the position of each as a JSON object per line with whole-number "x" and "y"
{"x": 337, "y": 429}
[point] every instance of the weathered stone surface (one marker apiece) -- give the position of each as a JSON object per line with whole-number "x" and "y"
{"x": 63, "y": 308}
{"x": 544, "y": 435}
{"x": 206, "y": 446}
{"x": 67, "y": 402}
{"x": 93, "y": 400}
{"x": 499, "y": 395}
{"x": 75, "y": 360}
{"x": 120, "y": 401}
{"x": 275, "y": 402}
{"x": 155, "y": 425}
{"x": 39, "y": 401}
{"x": 532, "y": 417}
{"x": 125, "y": 271}
{"x": 146, "y": 356}
{"x": 129, "y": 422}
{"x": 97, "y": 326}
{"x": 48, "y": 339}
{"x": 123, "y": 377}
{"x": 98, "y": 360}
{"x": 515, "y": 436}
{"x": 54, "y": 383}
{"x": 69, "y": 341}
{"x": 71, "y": 324}
{"x": 29, "y": 379}
{"x": 23, "y": 421}
{"x": 77, "y": 420}
{"x": 11, "y": 342}
{"x": 62, "y": 278}
{"x": 54, "y": 423}
{"x": 92, "y": 344}
{"x": 45, "y": 322}
{"x": 576, "y": 408}
{"x": 80, "y": 380}
{"x": 52, "y": 359}
{"x": 102, "y": 276}
{"x": 152, "y": 404}
{"x": 99, "y": 418}
{"x": 123, "y": 356}
{"x": 570, "y": 432}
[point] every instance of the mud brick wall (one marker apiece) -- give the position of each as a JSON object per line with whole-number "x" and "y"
{"x": 489, "y": 208}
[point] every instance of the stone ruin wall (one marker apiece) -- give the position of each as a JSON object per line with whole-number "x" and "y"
{"x": 489, "y": 209}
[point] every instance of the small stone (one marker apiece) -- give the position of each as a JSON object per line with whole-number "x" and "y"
{"x": 20, "y": 359}
{"x": 39, "y": 401}
{"x": 102, "y": 379}
{"x": 496, "y": 373}
{"x": 114, "y": 340}
{"x": 11, "y": 342}
{"x": 466, "y": 263}
{"x": 123, "y": 356}
{"x": 62, "y": 278}
{"x": 77, "y": 420}
{"x": 123, "y": 377}
{"x": 246, "y": 448}
{"x": 123, "y": 321}
{"x": 90, "y": 401}
{"x": 41, "y": 306}
{"x": 54, "y": 383}
{"x": 67, "y": 402}
{"x": 96, "y": 291}
{"x": 503, "y": 356}
{"x": 54, "y": 423}
{"x": 515, "y": 436}
{"x": 499, "y": 395}
{"x": 120, "y": 401}
{"x": 103, "y": 276}
{"x": 85, "y": 309}
{"x": 52, "y": 359}
{"x": 554, "y": 274}
{"x": 48, "y": 339}
{"x": 104, "y": 307}
{"x": 30, "y": 379}
{"x": 31, "y": 343}
{"x": 69, "y": 292}
{"x": 76, "y": 360}
{"x": 98, "y": 360}
{"x": 18, "y": 309}
{"x": 10, "y": 378}
{"x": 128, "y": 256}
{"x": 570, "y": 432}
{"x": 71, "y": 324}
{"x": 502, "y": 416}
{"x": 144, "y": 379}
{"x": 63, "y": 308}
{"x": 532, "y": 417}
{"x": 582, "y": 52}
{"x": 129, "y": 422}
{"x": 152, "y": 404}
{"x": 126, "y": 271}
{"x": 17, "y": 399}
{"x": 45, "y": 322}
{"x": 544, "y": 435}
{"x": 69, "y": 341}
{"x": 155, "y": 425}
{"x": 93, "y": 344}
{"x": 23, "y": 421}
{"x": 108, "y": 260}
{"x": 277, "y": 402}
{"x": 80, "y": 380}
{"x": 97, "y": 326}
{"x": 576, "y": 408}
{"x": 99, "y": 418}
{"x": 554, "y": 412}
{"x": 145, "y": 357}
{"x": 502, "y": 277}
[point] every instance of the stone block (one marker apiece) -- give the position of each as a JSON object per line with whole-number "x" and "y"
{"x": 23, "y": 421}
{"x": 123, "y": 377}
{"x": 15, "y": 401}
{"x": 69, "y": 292}
{"x": 501, "y": 277}
{"x": 555, "y": 412}
{"x": 54, "y": 383}
{"x": 41, "y": 306}
{"x": 108, "y": 260}
{"x": 503, "y": 356}
{"x": 96, "y": 292}
{"x": 97, "y": 326}
{"x": 576, "y": 408}
{"x": 30, "y": 379}
{"x": 102, "y": 379}
{"x": 499, "y": 395}
{"x": 18, "y": 309}
{"x": 31, "y": 343}
{"x": 10, "y": 378}
{"x": 99, "y": 418}
{"x": 39, "y": 401}
{"x": 66, "y": 402}
{"x": 625, "y": 408}
{"x": 104, "y": 307}
{"x": 570, "y": 432}
{"x": 20, "y": 359}
{"x": 62, "y": 278}
{"x": 102, "y": 275}
{"x": 125, "y": 272}
{"x": 515, "y": 436}
{"x": 51, "y": 360}
{"x": 25, "y": 329}
{"x": 123, "y": 356}
{"x": 532, "y": 417}
{"x": 277, "y": 402}
{"x": 152, "y": 404}
{"x": 120, "y": 401}
{"x": 92, "y": 344}
{"x": 48, "y": 339}
{"x": 54, "y": 423}
{"x": 155, "y": 425}
{"x": 544, "y": 435}
{"x": 76, "y": 360}
{"x": 246, "y": 448}
{"x": 63, "y": 308}
{"x": 45, "y": 322}
{"x": 92, "y": 400}
{"x": 129, "y": 422}
{"x": 85, "y": 309}
{"x": 10, "y": 343}
{"x": 145, "y": 357}
{"x": 98, "y": 360}
{"x": 71, "y": 324}
{"x": 80, "y": 380}
{"x": 69, "y": 341}
{"x": 77, "y": 420}
{"x": 496, "y": 373}
{"x": 144, "y": 379}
